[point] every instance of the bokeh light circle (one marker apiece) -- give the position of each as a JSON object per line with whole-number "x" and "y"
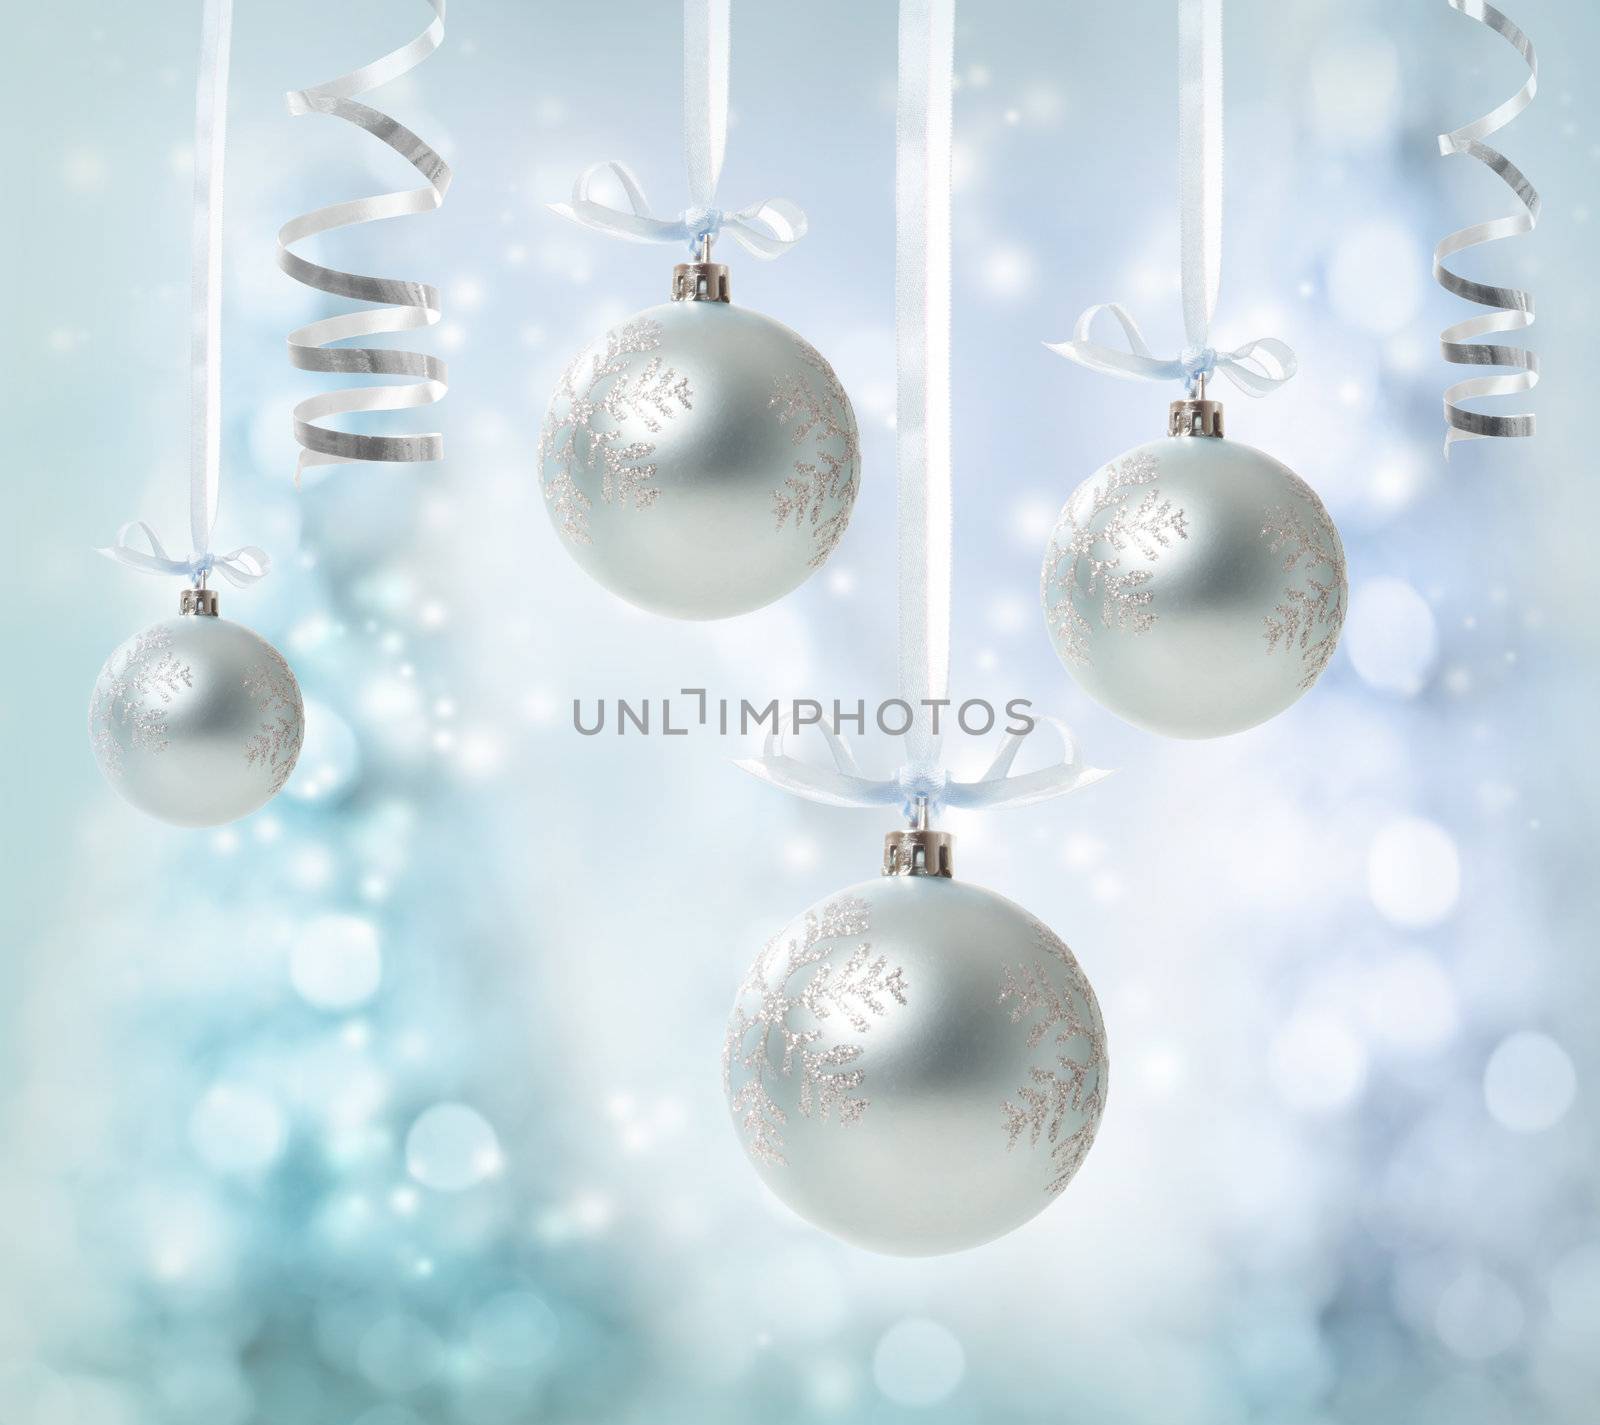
{"x": 1318, "y": 1063}
{"x": 330, "y": 757}
{"x": 398, "y": 1353}
{"x": 1529, "y": 1083}
{"x": 335, "y": 962}
{"x": 1375, "y": 276}
{"x": 1391, "y": 636}
{"x": 452, "y": 1147}
{"x": 237, "y": 1129}
{"x": 1479, "y": 1315}
{"x": 918, "y": 1362}
{"x": 513, "y": 1331}
{"x": 1355, "y": 90}
{"x": 1413, "y": 872}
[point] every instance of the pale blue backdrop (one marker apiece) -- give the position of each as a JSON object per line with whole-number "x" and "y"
{"x": 1347, "y": 960}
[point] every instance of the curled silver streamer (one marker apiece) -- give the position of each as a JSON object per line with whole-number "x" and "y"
{"x": 1513, "y": 306}
{"x": 403, "y": 306}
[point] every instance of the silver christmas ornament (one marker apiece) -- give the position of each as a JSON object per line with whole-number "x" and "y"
{"x": 699, "y": 460}
{"x": 196, "y": 721}
{"x": 1195, "y": 586}
{"x": 916, "y": 1065}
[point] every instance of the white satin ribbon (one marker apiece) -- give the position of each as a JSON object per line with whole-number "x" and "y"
{"x": 843, "y": 785}
{"x": 1514, "y": 306}
{"x": 1255, "y": 368}
{"x": 767, "y": 229}
{"x": 246, "y": 564}
{"x": 923, "y": 125}
{"x": 402, "y": 306}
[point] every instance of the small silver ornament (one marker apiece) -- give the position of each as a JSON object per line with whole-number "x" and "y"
{"x": 1195, "y": 586}
{"x": 196, "y": 721}
{"x": 700, "y": 460}
{"x": 916, "y": 1065}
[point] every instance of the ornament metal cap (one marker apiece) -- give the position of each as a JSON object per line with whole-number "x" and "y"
{"x": 702, "y": 280}
{"x": 198, "y": 600}
{"x": 1195, "y": 415}
{"x": 918, "y": 850}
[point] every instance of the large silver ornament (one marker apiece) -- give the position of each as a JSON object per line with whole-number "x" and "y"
{"x": 1195, "y": 586}
{"x": 916, "y": 1065}
{"x": 197, "y": 720}
{"x": 700, "y": 460}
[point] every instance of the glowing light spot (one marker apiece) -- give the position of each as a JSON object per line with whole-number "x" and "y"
{"x": 237, "y": 1129}
{"x": 1479, "y": 1315}
{"x": 918, "y": 1363}
{"x": 451, "y": 1148}
{"x": 1413, "y": 872}
{"x": 1529, "y": 1083}
{"x": 1318, "y": 1064}
{"x": 336, "y": 963}
{"x": 1391, "y": 636}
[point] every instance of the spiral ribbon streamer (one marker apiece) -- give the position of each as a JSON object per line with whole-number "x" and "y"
{"x": 1258, "y": 366}
{"x": 1513, "y": 307}
{"x": 767, "y": 229}
{"x": 246, "y": 564}
{"x": 923, "y": 128}
{"x": 401, "y": 306}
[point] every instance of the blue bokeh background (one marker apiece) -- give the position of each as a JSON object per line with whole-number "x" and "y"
{"x": 399, "y": 1102}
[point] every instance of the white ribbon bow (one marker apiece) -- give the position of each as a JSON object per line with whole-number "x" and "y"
{"x": 768, "y": 228}
{"x": 843, "y": 785}
{"x": 240, "y": 567}
{"x": 1256, "y": 368}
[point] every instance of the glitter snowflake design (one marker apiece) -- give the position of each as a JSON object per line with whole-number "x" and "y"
{"x": 599, "y": 390}
{"x": 275, "y": 746}
{"x": 1059, "y": 1105}
{"x": 1102, "y": 523}
{"x": 144, "y": 669}
{"x": 817, "y": 412}
{"x": 1312, "y": 610}
{"x": 766, "y": 1040}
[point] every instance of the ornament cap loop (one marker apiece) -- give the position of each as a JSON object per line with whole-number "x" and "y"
{"x": 700, "y": 281}
{"x": 198, "y": 600}
{"x": 917, "y": 851}
{"x": 1195, "y": 415}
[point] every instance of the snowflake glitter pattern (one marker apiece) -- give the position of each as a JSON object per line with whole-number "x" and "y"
{"x": 276, "y": 744}
{"x": 824, "y": 418}
{"x": 859, "y": 991}
{"x": 1073, "y": 1086}
{"x": 149, "y": 668}
{"x": 1089, "y": 555}
{"x": 1312, "y": 611}
{"x": 652, "y": 395}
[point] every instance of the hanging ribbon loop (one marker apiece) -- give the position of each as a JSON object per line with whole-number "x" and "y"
{"x": 1513, "y": 307}
{"x": 246, "y": 564}
{"x": 923, "y": 133}
{"x": 766, "y": 229}
{"x": 1258, "y": 366}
